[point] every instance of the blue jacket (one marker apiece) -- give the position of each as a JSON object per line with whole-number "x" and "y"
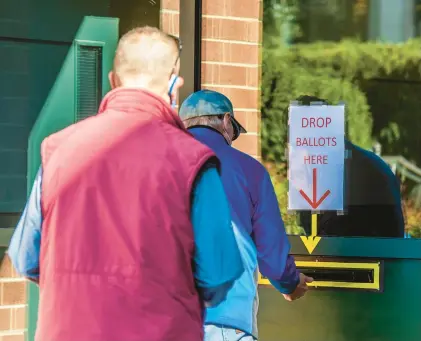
{"x": 259, "y": 230}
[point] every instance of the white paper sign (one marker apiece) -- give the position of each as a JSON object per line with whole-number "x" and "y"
{"x": 316, "y": 157}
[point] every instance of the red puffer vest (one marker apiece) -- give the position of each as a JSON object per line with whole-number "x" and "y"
{"x": 117, "y": 242}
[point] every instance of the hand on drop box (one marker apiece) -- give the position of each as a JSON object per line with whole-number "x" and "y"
{"x": 301, "y": 289}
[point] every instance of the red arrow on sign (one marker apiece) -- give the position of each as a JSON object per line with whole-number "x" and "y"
{"x": 314, "y": 203}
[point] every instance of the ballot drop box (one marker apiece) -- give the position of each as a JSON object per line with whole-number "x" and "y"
{"x": 366, "y": 284}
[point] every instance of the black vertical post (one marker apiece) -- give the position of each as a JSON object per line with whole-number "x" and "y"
{"x": 191, "y": 38}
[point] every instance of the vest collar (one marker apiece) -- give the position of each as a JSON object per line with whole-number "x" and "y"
{"x": 139, "y": 101}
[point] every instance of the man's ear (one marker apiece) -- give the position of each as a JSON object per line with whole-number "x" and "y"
{"x": 227, "y": 120}
{"x": 113, "y": 79}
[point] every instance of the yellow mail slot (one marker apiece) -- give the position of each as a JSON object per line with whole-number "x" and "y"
{"x": 339, "y": 274}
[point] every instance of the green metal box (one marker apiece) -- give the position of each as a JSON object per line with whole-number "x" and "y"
{"x": 388, "y": 309}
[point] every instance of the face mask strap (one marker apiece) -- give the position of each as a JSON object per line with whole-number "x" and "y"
{"x": 170, "y": 90}
{"x": 172, "y": 85}
{"x": 180, "y": 48}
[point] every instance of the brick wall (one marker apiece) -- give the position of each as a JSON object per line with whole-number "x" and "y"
{"x": 231, "y": 55}
{"x": 12, "y": 303}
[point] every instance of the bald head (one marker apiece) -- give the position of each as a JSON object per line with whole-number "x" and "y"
{"x": 145, "y": 58}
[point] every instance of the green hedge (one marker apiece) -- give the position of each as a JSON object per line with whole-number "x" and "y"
{"x": 353, "y": 72}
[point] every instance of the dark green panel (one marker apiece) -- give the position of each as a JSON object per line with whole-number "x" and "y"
{"x": 59, "y": 109}
{"x": 361, "y": 247}
{"x": 5, "y": 236}
{"x": 12, "y": 162}
{"x": 393, "y": 315}
{"x": 47, "y": 19}
{"x": 25, "y": 85}
{"x": 61, "y": 19}
{"x": 133, "y": 13}
{"x": 34, "y": 35}
{"x": 12, "y": 136}
{"x": 11, "y": 190}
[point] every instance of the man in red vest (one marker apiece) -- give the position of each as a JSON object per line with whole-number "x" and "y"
{"x": 127, "y": 229}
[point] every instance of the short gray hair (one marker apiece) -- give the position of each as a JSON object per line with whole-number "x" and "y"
{"x": 213, "y": 121}
{"x": 148, "y": 53}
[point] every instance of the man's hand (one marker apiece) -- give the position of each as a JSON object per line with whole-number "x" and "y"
{"x": 301, "y": 289}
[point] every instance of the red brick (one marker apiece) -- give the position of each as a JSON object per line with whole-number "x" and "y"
{"x": 248, "y": 144}
{"x": 259, "y": 147}
{"x": 6, "y": 268}
{"x": 170, "y": 4}
{"x": 13, "y": 293}
{"x": 228, "y": 52}
{"x": 253, "y": 121}
{"x": 250, "y": 120}
{"x": 230, "y": 75}
{"x": 5, "y": 318}
{"x": 19, "y": 318}
{"x": 240, "y": 98}
{"x": 233, "y": 8}
{"x": 170, "y": 23}
{"x": 260, "y": 58}
{"x": 253, "y": 75}
{"x": 241, "y": 116}
{"x": 230, "y": 29}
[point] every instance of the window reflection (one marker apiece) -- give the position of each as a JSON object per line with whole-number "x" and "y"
{"x": 366, "y": 53}
{"x": 374, "y": 207}
{"x": 334, "y": 20}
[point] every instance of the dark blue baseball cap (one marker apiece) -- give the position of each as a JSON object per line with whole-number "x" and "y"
{"x": 209, "y": 103}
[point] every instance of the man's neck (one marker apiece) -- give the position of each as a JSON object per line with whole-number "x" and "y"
{"x": 143, "y": 85}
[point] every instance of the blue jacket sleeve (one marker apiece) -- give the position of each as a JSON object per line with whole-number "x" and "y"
{"x": 271, "y": 239}
{"x": 217, "y": 259}
{"x": 25, "y": 244}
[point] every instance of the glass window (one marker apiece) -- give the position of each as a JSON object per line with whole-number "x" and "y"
{"x": 367, "y": 54}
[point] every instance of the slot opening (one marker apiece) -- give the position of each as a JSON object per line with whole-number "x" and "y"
{"x": 339, "y": 275}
